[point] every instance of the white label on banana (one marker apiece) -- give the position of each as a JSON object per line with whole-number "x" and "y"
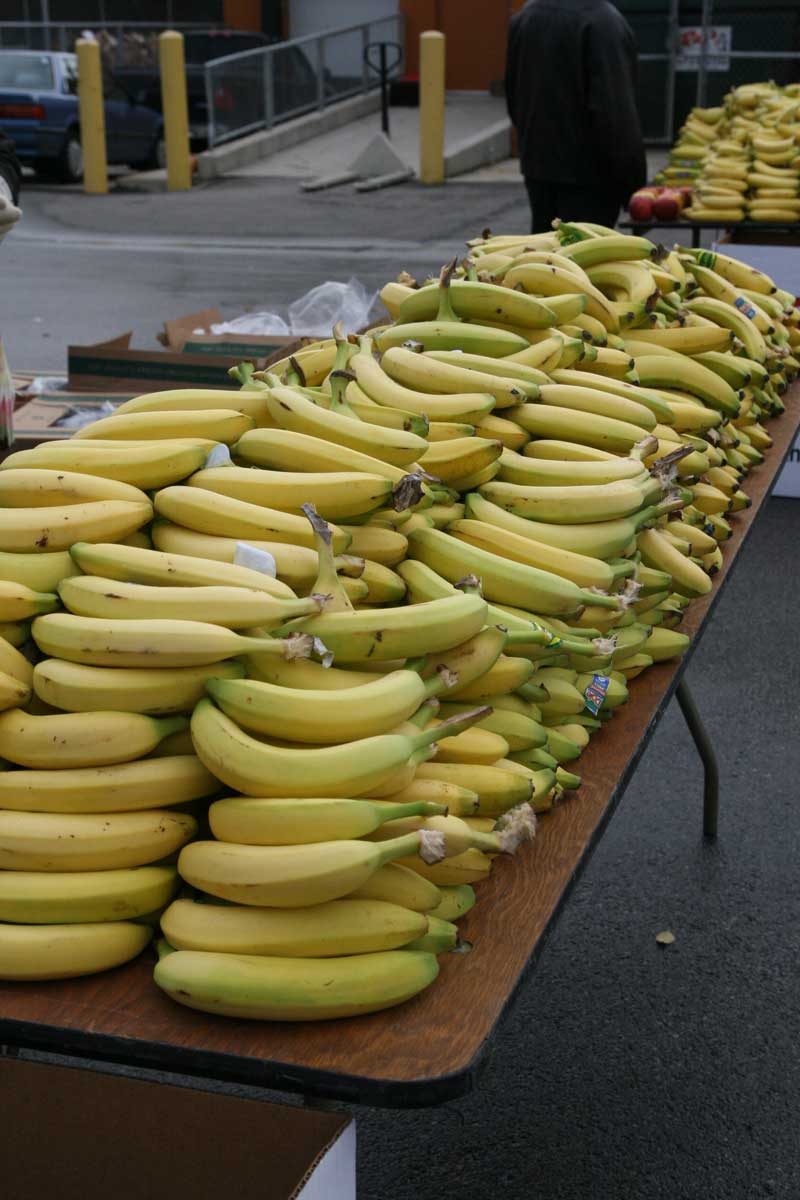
{"x": 219, "y": 456}
{"x": 246, "y": 555}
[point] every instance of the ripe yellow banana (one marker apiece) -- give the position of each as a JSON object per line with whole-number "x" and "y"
{"x": 292, "y": 410}
{"x": 219, "y": 424}
{"x": 39, "y": 572}
{"x": 36, "y": 841}
{"x": 294, "y": 989}
{"x": 504, "y": 581}
{"x": 231, "y": 607}
{"x": 322, "y": 931}
{"x": 473, "y": 300}
{"x": 40, "y": 487}
{"x": 94, "y": 739}
{"x": 295, "y": 876}
{"x": 547, "y": 279}
{"x": 457, "y": 899}
{"x": 210, "y": 513}
{"x": 687, "y": 578}
{"x": 105, "y": 643}
{"x": 252, "y": 404}
{"x": 34, "y": 530}
{"x": 286, "y": 450}
{"x": 323, "y": 717}
{"x": 395, "y": 884}
{"x": 389, "y": 633}
{"x": 585, "y": 428}
{"x": 18, "y": 602}
{"x": 13, "y": 694}
{"x": 499, "y": 537}
{"x": 256, "y": 821}
{"x": 125, "y": 787}
{"x": 438, "y": 376}
{"x": 351, "y": 769}
{"x": 74, "y": 687}
{"x": 569, "y": 505}
{"x": 34, "y": 952}
{"x": 134, "y": 564}
{"x": 142, "y": 465}
{"x": 70, "y": 897}
{"x": 498, "y": 789}
{"x": 385, "y": 389}
{"x": 336, "y": 495}
{"x": 458, "y": 458}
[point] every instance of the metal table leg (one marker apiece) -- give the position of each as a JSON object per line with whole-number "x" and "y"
{"x": 695, "y": 246}
{"x": 707, "y": 756}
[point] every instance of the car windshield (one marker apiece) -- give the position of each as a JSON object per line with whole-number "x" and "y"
{"x": 26, "y": 71}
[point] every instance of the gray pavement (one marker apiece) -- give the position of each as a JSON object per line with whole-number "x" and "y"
{"x": 626, "y": 1071}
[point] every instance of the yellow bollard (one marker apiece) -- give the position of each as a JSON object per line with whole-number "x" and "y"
{"x": 431, "y": 107}
{"x": 93, "y": 117}
{"x": 175, "y": 108}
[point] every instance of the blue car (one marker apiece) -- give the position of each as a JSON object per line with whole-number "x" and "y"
{"x": 39, "y": 110}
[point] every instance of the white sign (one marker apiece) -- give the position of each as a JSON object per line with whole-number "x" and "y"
{"x": 690, "y": 45}
{"x": 789, "y": 479}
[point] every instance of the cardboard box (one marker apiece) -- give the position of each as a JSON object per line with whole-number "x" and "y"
{"x": 190, "y": 359}
{"x": 36, "y": 420}
{"x": 73, "y": 1134}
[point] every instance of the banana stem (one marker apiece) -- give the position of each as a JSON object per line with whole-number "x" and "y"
{"x": 427, "y": 843}
{"x": 446, "y": 311}
{"x": 449, "y": 728}
{"x": 327, "y": 583}
{"x": 163, "y": 948}
{"x": 339, "y": 381}
{"x": 295, "y": 645}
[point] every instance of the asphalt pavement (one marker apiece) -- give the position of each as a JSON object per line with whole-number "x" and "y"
{"x": 626, "y": 1070}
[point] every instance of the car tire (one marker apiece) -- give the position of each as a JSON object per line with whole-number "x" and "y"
{"x": 70, "y": 160}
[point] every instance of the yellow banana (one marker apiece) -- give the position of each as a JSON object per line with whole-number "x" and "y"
{"x": 219, "y": 424}
{"x": 34, "y": 530}
{"x": 294, "y": 989}
{"x": 231, "y": 607}
{"x": 40, "y": 487}
{"x": 39, "y": 841}
{"x": 335, "y": 494}
{"x": 134, "y": 564}
{"x": 37, "y": 952}
{"x": 147, "y": 643}
{"x": 252, "y": 404}
{"x": 142, "y": 465}
{"x": 441, "y": 376}
{"x": 74, "y": 687}
{"x": 147, "y": 783}
{"x": 328, "y": 930}
{"x": 222, "y": 516}
{"x": 68, "y": 898}
{"x": 81, "y": 739}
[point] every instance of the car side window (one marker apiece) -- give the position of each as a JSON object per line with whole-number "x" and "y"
{"x": 70, "y": 82}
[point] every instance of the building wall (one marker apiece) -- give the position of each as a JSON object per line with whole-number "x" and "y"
{"x": 476, "y": 37}
{"x": 343, "y": 55}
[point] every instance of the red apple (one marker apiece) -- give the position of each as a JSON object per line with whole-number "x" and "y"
{"x": 667, "y": 206}
{"x": 640, "y": 206}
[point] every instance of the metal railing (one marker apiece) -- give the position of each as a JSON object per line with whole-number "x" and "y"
{"x": 256, "y": 89}
{"x": 122, "y": 39}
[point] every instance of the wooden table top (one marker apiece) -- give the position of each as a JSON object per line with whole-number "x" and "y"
{"x": 430, "y": 1049}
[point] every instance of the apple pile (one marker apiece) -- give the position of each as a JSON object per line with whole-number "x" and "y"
{"x": 654, "y": 203}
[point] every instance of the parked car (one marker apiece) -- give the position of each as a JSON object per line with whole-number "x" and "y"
{"x": 39, "y": 110}
{"x": 238, "y": 93}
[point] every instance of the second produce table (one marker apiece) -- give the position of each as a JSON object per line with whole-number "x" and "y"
{"x": 418, "y": 1054}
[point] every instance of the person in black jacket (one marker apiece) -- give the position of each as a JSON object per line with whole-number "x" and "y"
{"x": 570, "y": 90}
{"x": 10, "y": 176}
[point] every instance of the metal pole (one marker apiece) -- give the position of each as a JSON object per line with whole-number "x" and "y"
{"x": 673, "y": 38}
{"x": 431, "y": 106}
{"x": 364, "y": 64}
{"x": 707, "y": 16}
{"x": 707, "y": 756}
{"x": 92, "y": 117}
{"x": 211, "y": 128}
{"x": 175, "y": 108}
{"x": 384, "y": 90}
{"x": 46, "y": 23}
{"x": 269, "y": 89}
{"x": 320, "y": 72}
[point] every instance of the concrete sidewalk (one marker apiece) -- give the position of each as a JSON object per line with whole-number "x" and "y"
{"x": 469, "y": 117}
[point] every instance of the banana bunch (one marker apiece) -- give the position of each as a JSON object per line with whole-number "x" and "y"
{"x": 359, "y": 620}
{"x": 742, "y": 157}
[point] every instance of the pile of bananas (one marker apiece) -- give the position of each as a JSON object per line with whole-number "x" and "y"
{"x": 743, "y": 157}
{"x": 372, "y": 606}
